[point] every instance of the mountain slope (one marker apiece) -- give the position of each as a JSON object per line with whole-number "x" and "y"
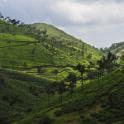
{"x": 99, "y": 102}
{"x": 19, "y": 49}
{"x": 66, "y": 41}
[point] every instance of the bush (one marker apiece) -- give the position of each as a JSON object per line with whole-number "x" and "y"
{"x": 58, "y": 113}
{"x": 45, "y": 120}
{"x": 2, "y": 81}
{"x": 4, "y": 119}
{"x": 87, "y": 120}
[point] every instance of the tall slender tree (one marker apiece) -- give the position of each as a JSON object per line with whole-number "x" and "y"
{"x": 61, "y": 90}
{"x": 81, "y": 69}
{"x": 71, "y": 78}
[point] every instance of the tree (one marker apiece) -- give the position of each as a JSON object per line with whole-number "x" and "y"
{"x": 107, "y": 62}
{"x": 81, "y": 69}
{"x": 50, "y": 89}
{"x": 2, "y": 81}
{"x": 61, "y": 90}
{"x": 72, "y": 79}
{"x": 83, "y": 49}
{"x": 110, "y": 61}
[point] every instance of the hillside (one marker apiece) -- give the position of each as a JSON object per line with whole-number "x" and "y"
{"x": 99, "y": 102}
{"x": 20, "y": 94}
{"x": 25, "y": 46}
{"x": 71, "y": 45}
{"x": 59, "y": 48}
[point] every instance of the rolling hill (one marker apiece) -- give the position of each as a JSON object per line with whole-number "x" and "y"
{"x": 18, "y": 49}
{"x": 81, "y": 50}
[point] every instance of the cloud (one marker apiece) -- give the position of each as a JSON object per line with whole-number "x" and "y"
{"x": 92, "y": 20}
{"x": 92, "y": 13}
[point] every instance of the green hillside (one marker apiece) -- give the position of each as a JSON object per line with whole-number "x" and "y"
{"x": 20, "y": 94}
{"x": 18, "y": 47}
{"x": 99, "y": 102}
{"x": 67, "y": 43}
{"x": 23, "y": 46}
{"x": 118, "y": 49}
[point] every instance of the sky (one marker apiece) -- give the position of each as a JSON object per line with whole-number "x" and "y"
{"x": 97, "y": 22}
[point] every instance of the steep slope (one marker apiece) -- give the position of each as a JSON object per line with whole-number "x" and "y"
{"x": 69, "y": 44}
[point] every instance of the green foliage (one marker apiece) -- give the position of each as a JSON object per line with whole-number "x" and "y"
{"x": 118, "y": 49}
{"x": 45, "y": 120}
{"x": 19, "y": 94}
{"x": 39, "y": 44}
{"x": 106, "y": 92}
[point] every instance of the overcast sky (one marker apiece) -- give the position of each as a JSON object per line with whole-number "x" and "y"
{"x": 98, "y": 22}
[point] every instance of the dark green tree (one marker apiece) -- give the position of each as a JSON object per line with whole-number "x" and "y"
{"x": 81, "y": 69}
{"x": 71, "y": 78}
{"x": 61, "y": 90}
{"x": 107, "y": 63}
{"x": 50, "y": 89}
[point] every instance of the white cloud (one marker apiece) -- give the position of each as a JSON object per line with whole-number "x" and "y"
{"x": 89, "y": 13}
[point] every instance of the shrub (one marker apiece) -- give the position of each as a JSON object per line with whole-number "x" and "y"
{"x": 4, "y": 119}
{"x": 58, "y": 113}
{"x": 87, "y": 120}
{"x": 45, "y": 120}
{"x": 2, "y": 81}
